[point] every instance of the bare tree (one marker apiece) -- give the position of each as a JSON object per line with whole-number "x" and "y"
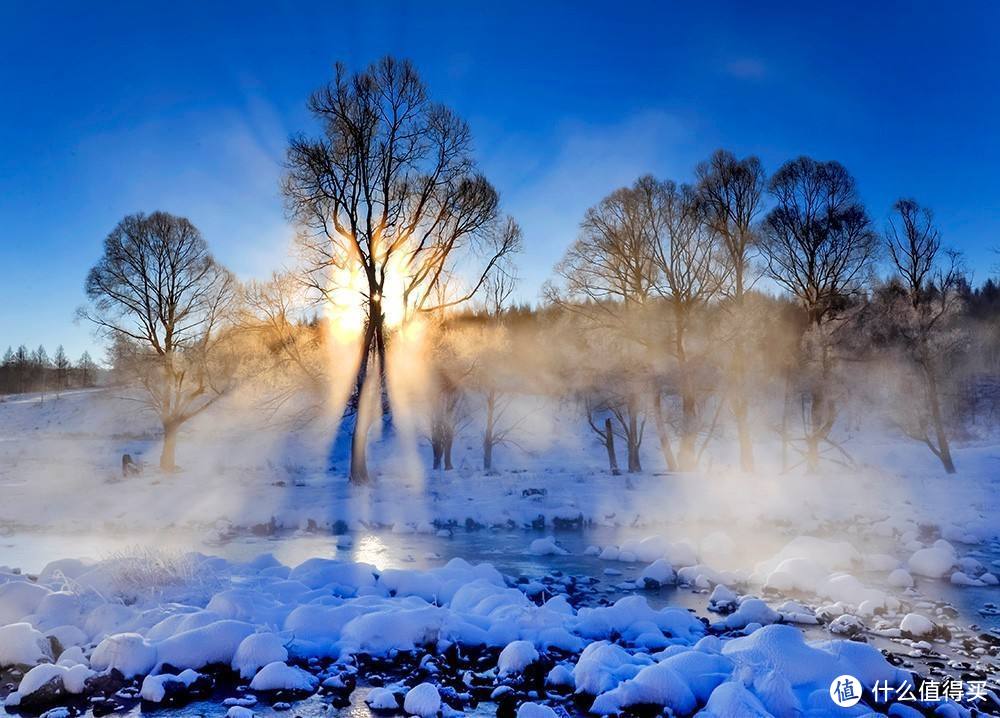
{"x": 608, "y": 278}
{"x": 487, "y": 374}
{"x": 731, "y": 192}
{"x": 389, "y": 191}
{"x": 158, "y": 292}
{"x": 920, "y": 316}
{"x": 688, "y": 276}
{"x": 819, "y": 246}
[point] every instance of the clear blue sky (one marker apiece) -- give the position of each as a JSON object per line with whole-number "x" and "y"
{"x": 110, "y": 108}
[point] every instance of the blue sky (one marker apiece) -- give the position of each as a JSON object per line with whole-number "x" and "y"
{"x": 111, "y": 108}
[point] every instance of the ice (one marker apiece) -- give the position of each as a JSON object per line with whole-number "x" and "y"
{"x": 422, "y": 700}
{"x": 278, "y": 676}
{"x": 515, "y": 657}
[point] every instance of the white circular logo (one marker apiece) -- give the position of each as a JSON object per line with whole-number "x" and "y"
{"x": 845, "y": 691}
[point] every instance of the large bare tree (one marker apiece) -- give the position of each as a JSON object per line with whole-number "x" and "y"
{"x": 819, "y": 244}
{"x": 390, "y": 190}
{"x": 159, "y": 294}
{"x": 731, "y": 192}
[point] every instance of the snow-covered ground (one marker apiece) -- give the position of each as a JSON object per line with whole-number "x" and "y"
{"x": 779, "y": 572}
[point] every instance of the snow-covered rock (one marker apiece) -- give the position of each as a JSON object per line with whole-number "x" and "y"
{"x": 535, "y": 710}
{"x": 659, "y": 573}
{"x": 129, "y": 653}
{"x": 751, "y": 610}
{"x": 933, "y": 562}
{"x": 22, "y": 645}
{"x": 516, "y": 656}
{"x": 256, "y": 651}
{"x": 900, "y": 578}
{"x": 278, "y": 676}
{"x": 916, "y": 625}
{"x": 381, "y": 699}
{"x": 546, "y": 546}
{"x": 155, "y": 688}
{"x": 422, "y": 700}
{"x": 560, "y": 675}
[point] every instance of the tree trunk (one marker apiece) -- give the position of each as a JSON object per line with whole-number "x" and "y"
{"x": 934, "y": 399}
{"x": 488, "y": 438}
{"x": 634, "y": 464}
{"x": 437, "y": 448}
{"x": 661, "y": 432}
{"x": 814, "y": 428}
{"x": 449, "y": 439}
{"x": 372, "y": 344}
{"x": 168, "y": 453}
{"x": 609, "y": 444}
{"x": 687, "y": 457}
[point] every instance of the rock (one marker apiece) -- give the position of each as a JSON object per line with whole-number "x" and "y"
{"x": 847, "y": 625}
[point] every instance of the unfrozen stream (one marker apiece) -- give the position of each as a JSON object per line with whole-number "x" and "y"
{"x": 505, "y": 549}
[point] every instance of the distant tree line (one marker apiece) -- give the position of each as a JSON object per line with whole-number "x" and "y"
{"x": 23, "y": 370}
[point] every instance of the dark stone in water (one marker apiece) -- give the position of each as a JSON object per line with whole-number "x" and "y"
{"x": 105, "y": 684}
{"x": 48, "y": 696}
